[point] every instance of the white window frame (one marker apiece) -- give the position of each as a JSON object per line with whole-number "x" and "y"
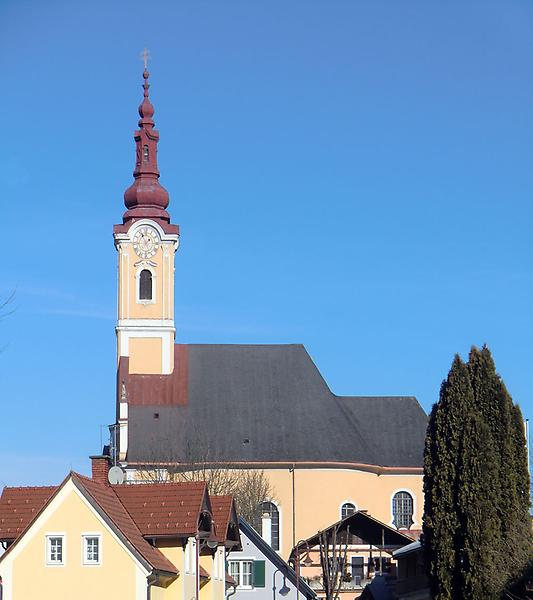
{"x": 84, "y": 560}
{"x": 347, "y": 502}
{"x": 145, "y": 266}
{"x": 413, "y": 496}
{"x": 280, "y": 532}
{"x": 47, "y": 549}
{"x": 240, "y": 561}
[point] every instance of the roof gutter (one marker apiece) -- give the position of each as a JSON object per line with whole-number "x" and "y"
{"x": 377, "y": 469}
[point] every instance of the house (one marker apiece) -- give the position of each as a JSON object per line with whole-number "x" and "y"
{"x": 89, "y": 539}
{"x": 262, "y": 407}
{"x": 261, "y": 574}
{"x": 412, "y": 582}
{"x": 354, "y": 552}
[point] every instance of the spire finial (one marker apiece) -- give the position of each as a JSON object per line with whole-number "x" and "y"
{"x": 146, "y": 197}
{"x": 145, "y": 55}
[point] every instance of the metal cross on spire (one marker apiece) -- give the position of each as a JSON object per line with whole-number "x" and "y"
{"x": 145, "y": 55}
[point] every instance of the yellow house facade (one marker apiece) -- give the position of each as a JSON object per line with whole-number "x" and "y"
{"x": 87, "y": 539}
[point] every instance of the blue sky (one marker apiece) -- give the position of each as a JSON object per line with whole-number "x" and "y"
{"x": 354, "y": 176}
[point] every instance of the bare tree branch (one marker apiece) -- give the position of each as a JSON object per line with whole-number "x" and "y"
{"x": 200, "y": 462}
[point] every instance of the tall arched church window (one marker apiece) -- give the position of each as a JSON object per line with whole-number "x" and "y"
{"x": 402, "y": 510}
{"x": 145, "y": 285}
{"x": 347, "y": 509}
{"x": 271, "y": 510}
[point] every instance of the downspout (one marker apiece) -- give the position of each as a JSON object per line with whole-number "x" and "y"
{"x": 150, "y": 580}
{"x": 197, "y": 578}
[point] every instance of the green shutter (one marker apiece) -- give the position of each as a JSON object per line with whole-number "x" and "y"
{"x": 259, "y": 573}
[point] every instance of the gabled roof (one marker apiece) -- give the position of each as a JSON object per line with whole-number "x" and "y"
{"x": 132, "y": 511}
{"x": 108, "y": 501}
{"x": 361, "y": 524}
{"x": 225, "y": 519}
{"x": 246, "y": 398}
{"x": 275, "y": 558}
{"x": 165, "y": 509}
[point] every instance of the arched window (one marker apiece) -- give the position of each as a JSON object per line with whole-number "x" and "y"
{"x": 145, "y": 154}
{"x": 402, "y": 510}
{"x": 347, "y": 509}
{"x": 271, "y": 510}
{"x": 145, "y": 285}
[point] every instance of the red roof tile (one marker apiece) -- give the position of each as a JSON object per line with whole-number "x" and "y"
{"x": 18, "y": 507}
{"x": 137, "y": 511}
{"x": 104, "y": 495}
{"x": 221, "y": 507}
{"x": 164, "y": 508}
{"x": 158, "y": 390}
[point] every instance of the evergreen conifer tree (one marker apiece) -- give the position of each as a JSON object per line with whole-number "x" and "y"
{"x": 511, "y": 483}
{"x": 477, "y": 533}
{"x": 477, "y": 539}
{"x": 441, "y": 520}
{"x": 520, "y": 537}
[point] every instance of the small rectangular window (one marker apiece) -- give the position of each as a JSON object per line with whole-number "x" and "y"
{"x": 91, "y": 550}
{"x": 54, "y": 550}
{"x": 242, "y": 572}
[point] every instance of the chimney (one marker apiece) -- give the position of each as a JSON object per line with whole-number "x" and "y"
{"x": 100, "y": 468}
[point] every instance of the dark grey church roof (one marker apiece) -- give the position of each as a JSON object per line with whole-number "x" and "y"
{"x": 264, "y": 403}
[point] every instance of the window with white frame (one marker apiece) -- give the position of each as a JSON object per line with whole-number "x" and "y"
{"x": 242, "y": 572}
{"x": 145, "y": 285}
{"x": 347, "y": 509}
{"x": 270, "y": 509}
{"x": 55, "y": 549}
{"x": 402, "y": 510}
{"x": 91, "y": 550}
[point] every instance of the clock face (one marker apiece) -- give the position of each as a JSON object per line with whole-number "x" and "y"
{"x": 145, "y": 242}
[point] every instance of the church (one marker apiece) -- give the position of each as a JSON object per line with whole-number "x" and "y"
{"x": 262, "y": 407}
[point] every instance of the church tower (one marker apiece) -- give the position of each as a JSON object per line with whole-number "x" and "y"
{"x": 146, "y": 242}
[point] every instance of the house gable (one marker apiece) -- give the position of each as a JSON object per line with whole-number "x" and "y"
{"x": 70, "y": 514}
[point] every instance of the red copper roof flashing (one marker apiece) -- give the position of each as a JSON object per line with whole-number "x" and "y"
{"x": 156, "y": 390}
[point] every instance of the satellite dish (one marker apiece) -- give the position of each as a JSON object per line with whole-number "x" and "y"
{"x": 115, "y": 475}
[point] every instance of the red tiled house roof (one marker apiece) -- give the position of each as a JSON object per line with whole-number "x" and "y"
{"x": 225, "y": 520}
{"x": 165, "y": 509}
{"x": 134, "y": 511}
{"x": 18, "y": 506}
{"x": 107, "y": 500}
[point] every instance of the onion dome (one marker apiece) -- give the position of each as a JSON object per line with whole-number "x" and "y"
{"x": 146, "y": 197}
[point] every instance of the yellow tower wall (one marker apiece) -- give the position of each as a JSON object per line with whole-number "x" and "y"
{"x": 146, "y": 355}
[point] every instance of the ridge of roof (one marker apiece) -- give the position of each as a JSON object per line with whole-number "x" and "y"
{"x": 110, "y": 504}
{"x": 275, "y": 558}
